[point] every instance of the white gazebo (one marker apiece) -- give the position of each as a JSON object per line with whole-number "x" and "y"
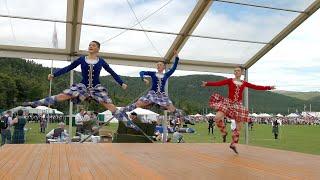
{"x": 210, "y": 115}
{"x": 264, "y": 115}
{"x": 292, "y": 115}
{"x": 279, "y": 115}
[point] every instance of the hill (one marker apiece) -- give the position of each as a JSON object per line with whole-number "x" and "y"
{"x": 22, "y": 80}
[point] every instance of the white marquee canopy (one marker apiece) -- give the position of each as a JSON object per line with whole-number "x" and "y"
{"x": 203, "y": 31}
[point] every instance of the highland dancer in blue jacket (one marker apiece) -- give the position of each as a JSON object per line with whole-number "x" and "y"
{"x": 157, "y": 94}
{"x": 89, "y": 87}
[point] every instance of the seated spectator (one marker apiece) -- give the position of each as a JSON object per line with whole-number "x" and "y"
{"x": 134, "y": 117}
{"x": 177, "y": 137}
{"x": 58, "y": 133}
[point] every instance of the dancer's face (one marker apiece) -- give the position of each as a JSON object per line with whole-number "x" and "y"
{"x": 160, "y": 66}
{"x": 93, "y": 47}
{"x": 237, "y": 72}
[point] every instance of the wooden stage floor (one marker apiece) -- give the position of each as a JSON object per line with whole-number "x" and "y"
{"x": 153, "y": 161}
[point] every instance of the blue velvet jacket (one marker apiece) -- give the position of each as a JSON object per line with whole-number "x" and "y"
{"x": 158, "y": 84}
{"x": 90, "y": 72}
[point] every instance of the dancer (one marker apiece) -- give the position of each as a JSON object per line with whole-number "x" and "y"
{"x": 89, "y": 87}
{"x": 232, "y": 106}
{"x": 157, "y": 94}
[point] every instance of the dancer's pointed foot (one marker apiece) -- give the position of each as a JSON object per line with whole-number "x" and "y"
{"x": 233, "y": 147}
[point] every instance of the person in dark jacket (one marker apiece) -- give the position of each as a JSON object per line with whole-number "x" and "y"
{"x": 18, "y": 133}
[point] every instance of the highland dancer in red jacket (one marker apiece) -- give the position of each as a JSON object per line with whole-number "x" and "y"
{"x": 232, "y": 106}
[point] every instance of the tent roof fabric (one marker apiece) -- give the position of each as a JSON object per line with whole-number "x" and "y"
{"x": 79, "y": 22}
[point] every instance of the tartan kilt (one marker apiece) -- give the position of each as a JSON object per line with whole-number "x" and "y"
{"x": 79, "y": 92}
{"x": 18, "y": 136}
{"x": 233, "y": 110}
{"x": 157, "y": 98}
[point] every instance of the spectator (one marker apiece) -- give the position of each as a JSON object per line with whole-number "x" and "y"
{"x": 177, "y": 137}
{"x": 58, "y": 133}
{"x": 79, "y": 121}
{"x": 275, "y": 128}
{"x": 211, "y": 125}
{"x": 134, "y": 117}
{"x": 43, "y": 123}
{"x": 18, "y": 134}
{"x": 5, "y": 128}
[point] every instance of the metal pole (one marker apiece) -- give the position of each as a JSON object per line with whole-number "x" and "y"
{"x": 165, "y": 120}
{"x": 50, "y": 83}
{"x": 164, "y": 126}
{"x": 70, "y": 104}
{"x": 246, "y": 104}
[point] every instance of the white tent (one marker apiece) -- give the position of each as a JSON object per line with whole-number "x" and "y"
{"x": 292, "y": 115}
{"x": 44, "y": 109}
{"x": 197, "y": 115}
{"x": 37, "y": 110}
{"x": 279, "y": 115}
{"x": 210, "y": 115}
{"x": 265, "y": 115}
{"x": 253, "y": 115}
{"x": 143, "y": 114}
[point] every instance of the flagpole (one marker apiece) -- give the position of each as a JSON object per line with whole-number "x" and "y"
{"x": 55, "y": 45}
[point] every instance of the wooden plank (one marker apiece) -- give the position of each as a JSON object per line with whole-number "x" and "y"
{"x": 22, "y": 169}
{"x": 139, "y": 168}
{"x": 54, "y": 163}
{"x": 64, "y": 171}
{"x": 73, "y": 162}
{"x": 153, "y": 161}
{"x": 95, "y": 166}
{"x": 37, "y": 161}
{"x": 15, "y": 164}
{"x": 7, "y": 153}
{"x": 45, "y": 165}
{"x": 83, "y": 167}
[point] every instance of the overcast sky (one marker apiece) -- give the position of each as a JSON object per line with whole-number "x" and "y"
{"x": 292, "y": 65}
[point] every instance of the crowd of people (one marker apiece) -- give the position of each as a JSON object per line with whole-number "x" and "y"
{"x": 288, "y": 120}
{"x": 17, "y": 123}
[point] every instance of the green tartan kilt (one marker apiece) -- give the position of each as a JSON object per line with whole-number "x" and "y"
{"x": 18, "y": 137}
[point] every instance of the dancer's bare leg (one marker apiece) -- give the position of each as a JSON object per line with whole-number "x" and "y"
{"x": 49, "y": 100}
{"x": 220, "y": 124}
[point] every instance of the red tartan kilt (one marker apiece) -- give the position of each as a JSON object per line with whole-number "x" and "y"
{"x": 233, "y": 110}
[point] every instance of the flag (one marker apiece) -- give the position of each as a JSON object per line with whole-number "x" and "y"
{"x": 55, "y": 37}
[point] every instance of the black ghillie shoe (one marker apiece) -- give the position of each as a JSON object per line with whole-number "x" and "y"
{"x": 234, "y": 149}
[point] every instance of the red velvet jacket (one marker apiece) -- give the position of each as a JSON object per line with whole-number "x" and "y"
{"x": 236, "y": 91}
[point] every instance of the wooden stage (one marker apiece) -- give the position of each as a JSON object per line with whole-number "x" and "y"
{"x": 153, "y": 161}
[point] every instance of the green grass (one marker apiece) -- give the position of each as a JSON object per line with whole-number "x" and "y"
{"x": 297, "y": 138}
{"x": 303, "y": 139}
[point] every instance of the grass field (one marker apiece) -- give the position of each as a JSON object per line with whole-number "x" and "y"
{"x": 303, "y": 139}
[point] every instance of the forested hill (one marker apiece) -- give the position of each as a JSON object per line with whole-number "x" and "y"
{"x": 22, "y": 80}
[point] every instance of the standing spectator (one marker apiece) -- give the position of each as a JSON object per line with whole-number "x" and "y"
{"x": 211, "y": 125}
{"x": 79, "y": 121}
{"x": 43, "y": 123}
{"x": 5, "y": 128}
{"x": 275, "y": 128}
{"x": 18, "y": 134}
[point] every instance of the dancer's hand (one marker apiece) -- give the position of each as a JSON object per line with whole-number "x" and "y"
{"x": 272, "y": 87}
{"x": 146, "y": 81}
{"x": 50, "y": 77}
{"x": 175, "y": 52}
{"x": 204, "y": 83}
{"x": 124, "y": 86}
